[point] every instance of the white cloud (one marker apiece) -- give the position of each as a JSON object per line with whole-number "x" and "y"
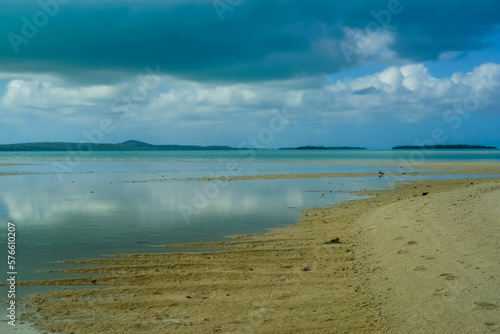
{"x": 185, "y": 95}
{"x": 416, "y": 77}
{"x": 409, "y": 93}
{"x": 390, "y": 79}
{"x": 45, "y": 95}
{"x": 358, "y": 43}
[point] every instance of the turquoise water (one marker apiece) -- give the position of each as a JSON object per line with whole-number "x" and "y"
{"x": 81, "y": 205}
{"x": 84, "y": 205}
{"x": 242, "y": 155}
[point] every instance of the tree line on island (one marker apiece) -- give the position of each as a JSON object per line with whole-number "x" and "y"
{"x": 324, "y": 148}
{"x": 129, "y": 145}
{"x": 445, "y": 147}
{"x": 134, "y": 145}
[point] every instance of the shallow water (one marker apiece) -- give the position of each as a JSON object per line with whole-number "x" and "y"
{"x": 68, "y": 207}
{"x": 102, "y": 213}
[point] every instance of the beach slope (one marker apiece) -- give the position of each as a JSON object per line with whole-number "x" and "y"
{"x": 420, "y": 258}
{"x": 437, "y": 258}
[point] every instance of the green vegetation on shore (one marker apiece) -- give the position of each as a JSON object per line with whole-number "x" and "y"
{"x": 134, "y": 145}
{"x": 445, "y": 147}
{"x": 130, "y": 145}
{"x": 323, "y": 148}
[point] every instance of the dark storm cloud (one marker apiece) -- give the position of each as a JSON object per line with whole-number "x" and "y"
{"x": 256, "y": 40}
{"x": 365, "y": 91}
{"x": 428, "y": 28}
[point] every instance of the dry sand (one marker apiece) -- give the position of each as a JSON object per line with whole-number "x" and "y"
{"x": 406, "y": 263}
{"x": 437, "y": 258}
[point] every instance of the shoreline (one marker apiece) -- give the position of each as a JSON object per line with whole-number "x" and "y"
{"x": 295, "y": 278}
{"x": 440, "y": 168}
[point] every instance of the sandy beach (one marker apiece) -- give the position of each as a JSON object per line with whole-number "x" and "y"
{"x": 420, "y": 258}
{"x": 250, "y": 167}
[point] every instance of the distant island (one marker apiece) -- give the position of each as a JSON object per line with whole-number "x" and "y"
{"x": 323, "y": 148}
{"x": 130, "y": 145}
{"x": 445, "y": 147}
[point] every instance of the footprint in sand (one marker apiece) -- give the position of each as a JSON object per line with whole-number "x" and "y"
{"x": 411, "y": 243}
{"x": 420, "y": 268}
{"x": 402, "y": 251}
{"x": 427, "y": 257}
{"x": 486, "y": 306}
{"x": 441, "y": 293}
{"x": 449, "y": 277}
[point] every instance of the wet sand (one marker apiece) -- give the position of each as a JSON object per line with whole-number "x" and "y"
{"x": 423, "y": 169}
{"x": 421, "y": 258}
{"x": 11, "y": 173}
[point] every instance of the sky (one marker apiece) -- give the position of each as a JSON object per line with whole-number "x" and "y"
{"x": 254, "y": 73}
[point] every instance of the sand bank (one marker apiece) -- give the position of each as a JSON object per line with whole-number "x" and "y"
{"x": 11, "y": 173}
{"x": 403, "y": 263}
{"x": 433, "y": 168}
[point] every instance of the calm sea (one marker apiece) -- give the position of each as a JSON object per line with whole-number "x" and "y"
{"x": 81, "y": 205}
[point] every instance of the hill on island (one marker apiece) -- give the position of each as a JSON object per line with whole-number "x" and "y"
{"x": 129, "y": 145}
{"x": 323, "y": 148}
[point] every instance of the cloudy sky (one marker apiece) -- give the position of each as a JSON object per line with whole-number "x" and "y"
{"x": 368, "y": 73}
